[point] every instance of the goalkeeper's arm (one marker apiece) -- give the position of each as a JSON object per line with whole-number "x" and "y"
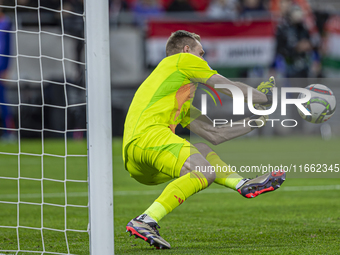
{"x": 260, "y": 96}
{"x": 203, "y": 127}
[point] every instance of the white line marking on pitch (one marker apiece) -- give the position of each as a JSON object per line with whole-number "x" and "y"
{"x": 226, "y": 190}
{"x": 155, "y": 192}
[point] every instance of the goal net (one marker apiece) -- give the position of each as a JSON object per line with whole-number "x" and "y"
{"x": 47, "y": 96}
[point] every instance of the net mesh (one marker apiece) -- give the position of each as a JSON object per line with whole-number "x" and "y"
{"x": 43, "y": 155}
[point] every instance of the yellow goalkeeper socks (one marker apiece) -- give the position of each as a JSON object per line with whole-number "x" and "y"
{"x": 224, "y": 175}
{"x": 176, "y": 193}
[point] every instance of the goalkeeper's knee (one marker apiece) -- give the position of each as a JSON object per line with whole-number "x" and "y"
{"x": 198, "y": 163}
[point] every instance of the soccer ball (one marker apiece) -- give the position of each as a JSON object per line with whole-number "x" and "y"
{"x": 321, "y": 105}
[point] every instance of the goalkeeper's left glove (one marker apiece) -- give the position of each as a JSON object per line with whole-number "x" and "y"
{"x": 259, "y": 120}
{"x": 267, "y": 88}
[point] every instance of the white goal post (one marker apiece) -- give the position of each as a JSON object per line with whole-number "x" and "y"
{"x": 99, "y": 127}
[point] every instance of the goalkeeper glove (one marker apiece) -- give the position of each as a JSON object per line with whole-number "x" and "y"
{"x": 260, "y": 121}
{"x": 267, "y": 88}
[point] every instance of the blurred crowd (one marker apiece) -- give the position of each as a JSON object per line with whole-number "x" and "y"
{"x": 299, "y": 30}
{"x": 229, "y": 9}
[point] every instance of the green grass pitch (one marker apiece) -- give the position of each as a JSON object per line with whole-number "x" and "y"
{"x": 303, "y": 217}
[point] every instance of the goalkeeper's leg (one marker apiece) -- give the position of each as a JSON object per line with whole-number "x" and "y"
{"x": 175, "y": 193}
{"x": 224, "y": 175}
{"x": 188, "y": 183}
{"x": 248, "y": 188}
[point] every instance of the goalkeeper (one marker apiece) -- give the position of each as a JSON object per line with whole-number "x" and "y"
{"x": 154, "y": 154}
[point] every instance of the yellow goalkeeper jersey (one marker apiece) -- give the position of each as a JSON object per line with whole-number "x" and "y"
{"x": 164, "y": 98}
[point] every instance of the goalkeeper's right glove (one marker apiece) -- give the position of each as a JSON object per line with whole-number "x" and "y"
{"x": 267, "y": 88}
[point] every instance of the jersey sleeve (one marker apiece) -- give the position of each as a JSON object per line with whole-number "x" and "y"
{"x": 194, "y": 68}
{"x": 192, "y": 114}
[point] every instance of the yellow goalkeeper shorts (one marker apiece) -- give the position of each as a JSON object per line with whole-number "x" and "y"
{"x": 157, "y": 156}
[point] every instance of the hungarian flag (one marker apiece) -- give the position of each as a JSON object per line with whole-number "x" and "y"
{"x": 227, "y": 44}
